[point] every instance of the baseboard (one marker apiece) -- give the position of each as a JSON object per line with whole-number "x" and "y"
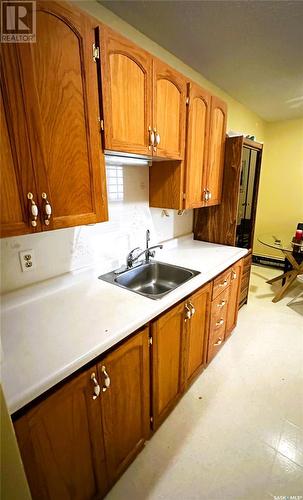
{"x": 267, "y": 261}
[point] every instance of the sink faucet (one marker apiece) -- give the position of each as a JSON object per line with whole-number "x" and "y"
{"x": 149, "y": 252}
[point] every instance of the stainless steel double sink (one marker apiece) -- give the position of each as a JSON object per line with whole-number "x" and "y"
{"x": 152, "y": 279}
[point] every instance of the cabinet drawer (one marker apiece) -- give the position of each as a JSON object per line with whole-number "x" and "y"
{"x": 221, "y": 283}
{"x": 220, "y": 304}
{"x": 216, "y": 336}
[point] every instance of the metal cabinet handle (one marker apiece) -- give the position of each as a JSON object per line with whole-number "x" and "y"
{"x": 187, "y": 312}
{"x": 209, "y": 195}
{"x": 224, "y": 283}
{"x": 33, "y": 209}
{"x": 220, "y": 322}
{"x": 205, "y": 194}
{"x": 97, "y": 389}
{"x": 222, "y": 303}
{"x": 219, "y": 341}
{"x": 192, "y": 307}
{"x": 151, "y": 137}
{"x": 234, "y": 274}
{"x": 157, "y": 139}
{"x": 106, "y": 379}
{"x": 47, "y": 209}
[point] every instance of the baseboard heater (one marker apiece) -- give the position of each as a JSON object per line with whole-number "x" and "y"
{"x": 263, "y": 260}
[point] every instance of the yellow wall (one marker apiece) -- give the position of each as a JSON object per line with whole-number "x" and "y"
{"x": 280, "y": 204}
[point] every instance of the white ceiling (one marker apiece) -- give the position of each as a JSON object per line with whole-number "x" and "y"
{"x": 253, "y": 49}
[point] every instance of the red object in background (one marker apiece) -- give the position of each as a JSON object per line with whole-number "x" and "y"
{"x": 299, "y": 234}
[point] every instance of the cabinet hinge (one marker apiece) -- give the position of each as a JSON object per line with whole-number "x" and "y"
{"x": 150, "y": 341}
{"x": 96, "y": 52}
{"x": 187, "y": 101}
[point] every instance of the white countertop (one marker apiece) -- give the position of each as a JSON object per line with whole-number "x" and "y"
{"x": 51, "y": 329}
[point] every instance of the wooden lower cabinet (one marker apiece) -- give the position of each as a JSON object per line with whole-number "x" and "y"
{"x": 224, "y": 307}
{"x": 234, "y": 293}
{"x": 197, "y": 331}
{"x": 75, "y": 445}
{"x": 61, "y": 443}
{"x": 167, "y": 362}
{"x": 125, "y": 403}
{"x": 244, "y": 288}
{"x": 179, "y": 351}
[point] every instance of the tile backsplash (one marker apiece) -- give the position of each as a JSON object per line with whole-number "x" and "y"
{"x": 105, "y": 244}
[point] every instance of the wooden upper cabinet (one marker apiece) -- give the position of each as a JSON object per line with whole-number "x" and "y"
{"x": 197, "y": 137}
{"x": 126, "y": 72}
{"x": 169, "y": 110}
{"x": 17, "y": 175}
{"x": 234, "y": 294}
{"x": 197, "y": 332}
{"x": 168, "y": 362}
{"x": 214, "y": 177}
{"x": 59, "y": 84}
{"x": 61, "y": 443}
{"x": 125, "y": 402}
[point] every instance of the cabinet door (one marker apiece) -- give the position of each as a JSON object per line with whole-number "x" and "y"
{"x": 197, "y": 332}
{"x": 17, "y": 175}
{"x": 125, "y": 402}
{"x": 168, "y": 362}
{"x": 218, "y": 117}
{"x": 197, "y": 136}
{"x": 127, "y": 97}
{"x": 169, "y": 110}
{"x": 60, "y": 91}
{"x": 234, "y": 293}
{"x": 61, "y": 444}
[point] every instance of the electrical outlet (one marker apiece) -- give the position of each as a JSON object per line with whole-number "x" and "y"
{"x": 27, "y": 260}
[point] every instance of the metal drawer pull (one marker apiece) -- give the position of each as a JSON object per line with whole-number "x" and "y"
{"x": 222, "y": 303}
{"x": 187, "y": 312}
{"x": 219, "y": 323}
{"x": 219, "y": 341}
{"x": 97, "y": 389}
{"x": 192, "y": 307}
{"x": 33, "y": 209}
{"x": 47, "y": 209}
{"x": 224, "y": 283}
{"x": 106, "y": 379}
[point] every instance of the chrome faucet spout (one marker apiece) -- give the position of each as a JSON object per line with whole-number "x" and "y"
{"x": 148, "y": 252}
